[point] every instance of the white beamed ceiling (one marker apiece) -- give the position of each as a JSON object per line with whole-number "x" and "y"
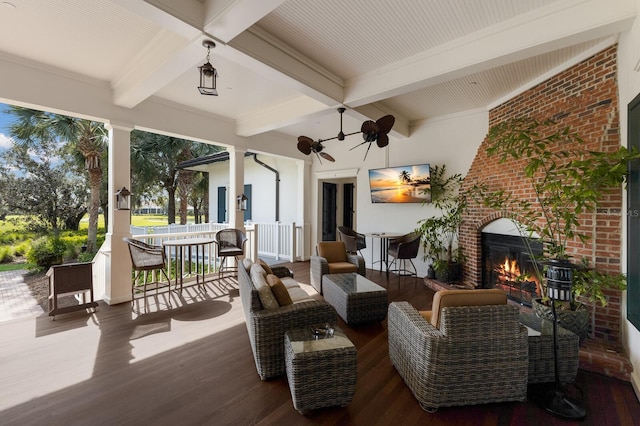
{"x": 285, "y": 65}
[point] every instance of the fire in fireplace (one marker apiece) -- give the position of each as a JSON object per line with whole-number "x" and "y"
{"x": 506, "y": 264}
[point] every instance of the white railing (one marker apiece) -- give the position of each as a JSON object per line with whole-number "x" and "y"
{"x": 277, "y": 240}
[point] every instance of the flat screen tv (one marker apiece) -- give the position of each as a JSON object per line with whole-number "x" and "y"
{"x": 404, "y": 184}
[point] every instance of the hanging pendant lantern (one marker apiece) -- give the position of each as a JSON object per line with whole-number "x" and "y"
{"x": 208, "y": 73}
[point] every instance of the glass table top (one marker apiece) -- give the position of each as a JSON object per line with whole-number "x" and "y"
{"x": 353, "y": 283}
{"x": 318, "y": 338}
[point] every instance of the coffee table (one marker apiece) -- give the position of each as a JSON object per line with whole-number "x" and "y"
{"x": 321, "y": 367}
{"x": 356, "y": 299}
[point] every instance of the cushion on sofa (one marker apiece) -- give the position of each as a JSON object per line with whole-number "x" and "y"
{"x": 299, "y": 295}
{"x": 247, "y": 263}
{"x": 259, "y": 280}
{"x": 265, "y": 266}
{"x": 289, "y": 282}
{"x": 279, "y": 290}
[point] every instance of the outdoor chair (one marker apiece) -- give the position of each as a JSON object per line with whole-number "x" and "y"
{"x": 403, "y": 249}
{"x": 471, "y": 349}
{"x": 332, "y": 258}
{"x": 354, "y": 241}
{"x": 231, "y": 243}
{"x": 149, "y": 261}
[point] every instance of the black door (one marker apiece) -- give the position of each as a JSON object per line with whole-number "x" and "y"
{"x": 329, "y": 205}
{"x": 348, "y": 211}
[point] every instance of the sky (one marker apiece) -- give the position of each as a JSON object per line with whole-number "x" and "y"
{"x": 5, "y": 122}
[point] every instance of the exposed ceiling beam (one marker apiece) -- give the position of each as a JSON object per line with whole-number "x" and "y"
{"x": 526, "y": 36}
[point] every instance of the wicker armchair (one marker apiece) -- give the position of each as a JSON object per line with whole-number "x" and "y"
{"x": 478, "y": 355}
{"x": 266, "y": 327}
{"x": 149, "y": 261}
{"x": 332, "y": 258}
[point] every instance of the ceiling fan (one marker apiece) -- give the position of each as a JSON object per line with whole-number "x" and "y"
{"x": 372, "y": 131}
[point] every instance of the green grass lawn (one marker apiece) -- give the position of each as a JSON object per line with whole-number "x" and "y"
{"x": 13, "y": 266}
{"x": 136, "y": 220}
{"x": 15, "y": 240}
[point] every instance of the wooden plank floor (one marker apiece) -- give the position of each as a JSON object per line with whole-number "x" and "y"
{"x": 192, "y": 365}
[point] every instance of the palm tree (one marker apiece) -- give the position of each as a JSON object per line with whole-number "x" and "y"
{"x": 88, "y": 137}
{"x": 405, "y": 176}
{"x": 154, "y": 163}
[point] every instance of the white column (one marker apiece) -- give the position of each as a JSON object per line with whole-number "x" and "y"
{"x": 118, "y": 266}
{"x": 303, "y": 207}
{"x": 236, "y": 186}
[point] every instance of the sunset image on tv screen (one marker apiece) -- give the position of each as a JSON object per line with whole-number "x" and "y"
{"x": 405, "y": 184}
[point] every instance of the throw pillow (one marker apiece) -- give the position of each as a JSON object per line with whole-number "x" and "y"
{"x": 265, "y": 266}
{"x": 258, "y": 278}
{"x": 279, "y": 290}
{"x": 246, "y": 262}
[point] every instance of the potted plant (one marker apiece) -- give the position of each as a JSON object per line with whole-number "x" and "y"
{"x": 439, "y": 234}
{"x": 566, "y": 183}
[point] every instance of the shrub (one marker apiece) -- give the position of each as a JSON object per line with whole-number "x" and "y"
{"x": 22, "y": 248}
{"x": 46, "y": 251}
{"x": 5, "y": 254}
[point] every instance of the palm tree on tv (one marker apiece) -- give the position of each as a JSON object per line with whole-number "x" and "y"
{"x": 405, "y": 177}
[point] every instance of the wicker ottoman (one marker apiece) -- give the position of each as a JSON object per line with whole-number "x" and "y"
{"x": 541, "y": 362}
{"x": 356, "y": 299}
{"x": 321, "y": 369}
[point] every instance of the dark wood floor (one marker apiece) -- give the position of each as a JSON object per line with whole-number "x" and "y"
{"x": 192, "y": 365}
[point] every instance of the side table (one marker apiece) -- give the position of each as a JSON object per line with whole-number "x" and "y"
{"x": 321, "y": 367}
{"x": 541, "y": 363}
{"x": 70, "y": 279}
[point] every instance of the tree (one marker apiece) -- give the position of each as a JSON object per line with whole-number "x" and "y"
{"x": 88, "y": 138}
{"x": 42, "y": 186}
{"x": 154, "y": 161}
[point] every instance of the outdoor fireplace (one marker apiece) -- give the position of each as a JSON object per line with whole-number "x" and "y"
{"x": 506, "y": 264}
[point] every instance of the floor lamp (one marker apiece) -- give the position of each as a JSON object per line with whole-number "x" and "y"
{"x": 559, "y": 276}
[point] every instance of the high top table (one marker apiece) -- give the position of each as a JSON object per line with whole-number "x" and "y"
{"x": 186, "y": 245}
{"x": 384, "y": 238}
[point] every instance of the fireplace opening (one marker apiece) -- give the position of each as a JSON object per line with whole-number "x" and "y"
{"x": 506, "y": 264}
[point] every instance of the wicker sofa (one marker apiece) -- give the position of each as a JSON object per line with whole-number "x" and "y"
{"x": 266, "y": 326}
{"x": 478, "y": 354}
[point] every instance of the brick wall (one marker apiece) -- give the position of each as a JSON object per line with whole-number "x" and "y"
{"x": 584, "y": 97}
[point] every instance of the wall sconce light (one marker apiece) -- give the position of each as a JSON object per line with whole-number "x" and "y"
{"x": 123, "y": 199}
{"x": 208, "y": 73}
{"x": 242, "y": 202}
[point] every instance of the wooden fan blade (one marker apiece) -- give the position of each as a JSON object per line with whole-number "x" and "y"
{"x": 327, "y": 157}
{"x": 369, "y": 127}
{"x": 383, "y": 140}
{"x": 369, "y": 130}
{"x": 304, "y": 146}
{"x": 385, "y": 124}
